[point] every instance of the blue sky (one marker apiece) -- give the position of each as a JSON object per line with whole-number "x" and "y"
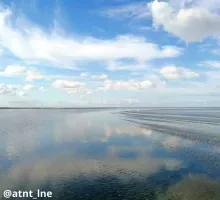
{"x": 110, "y": 53}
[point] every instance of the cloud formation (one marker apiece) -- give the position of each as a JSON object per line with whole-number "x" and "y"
{"x": 123, "y": 59}
{"x": 121, "y": 66}
{"x": 211, "y": 63}
{"x": 189, "y": 24}
{"x": 17, "y": 70}
{"x": 126, "y": 85}
{"x": 69, "y": 86}
{"x": 16, "y": 90}
{"x": 100, "y": 77}
{"x": 13, "y": 70}
{"x": 8, "y": 89}
{"x": 31, "y": 76}
{"x": 31, "y": 43}
{"x": 128, "y": 11}
{"x": 174, "y": 73}
{"x": 212, "y": 5}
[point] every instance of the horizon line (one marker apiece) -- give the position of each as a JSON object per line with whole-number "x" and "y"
{"x": 105, "y": 107}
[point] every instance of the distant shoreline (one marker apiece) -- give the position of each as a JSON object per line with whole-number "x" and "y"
{"x": 108, "y": 108}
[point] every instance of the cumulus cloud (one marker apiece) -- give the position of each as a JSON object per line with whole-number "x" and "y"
{"x": 16, "y": 90}
{"x": 31, "y": 76}
{"x": 31, "y": 43}
{"x": 8, "y": 89}
{"x": 100, "y": 77}
{"x": 190, "y": 24}
{"x": 11, "y": 90}
{"x": 173, "y": 72}
{"x": 121, "y": 66}
{"x": 84, "y": 75}
{"x": 211, "y": 63}
{"x": 212, "y": 5}
{"x": 69, "y": 86}
{"x": 17, "y": 70}
{"x": 29, "y": 87}
{"x": 21, "y": 93}
{"x": 13, "y": 70}
{"x": 126, "y": 85}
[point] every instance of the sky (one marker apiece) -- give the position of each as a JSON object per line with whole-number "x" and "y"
{"x": 62, "y": 53}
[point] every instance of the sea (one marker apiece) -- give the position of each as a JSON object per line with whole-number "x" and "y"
{"x": 110, "y": 153}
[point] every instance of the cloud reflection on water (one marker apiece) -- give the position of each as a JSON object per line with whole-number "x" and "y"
{"x": 54, "y": 146}
{"x": 70, "y": 145}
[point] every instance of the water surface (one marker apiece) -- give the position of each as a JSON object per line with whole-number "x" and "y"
{"x": 154, "y": 154}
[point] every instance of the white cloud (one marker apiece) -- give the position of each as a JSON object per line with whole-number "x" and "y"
{"x": 30, "y": 44}
{"x": 212, "y": 5}
{"x": 126, "y": 85}
{"x": 134, "y": 11}
{"x": 31, "y": 76}
{"x": 190, "y": 24}
{"x": 121, "y": 66}
{"x": 21, "y": 93}
{"x": 29, "y": 87}
{"x": 211, "y": 63}
{"x": 131, "y": 101}
{"x": 173, "y": 72}
{"x": 42, "y": 89}
{"x": 13, "y": 70}
{"x": 16, "y": 70}
{"x": 8, "y": 89}
{"x": 69, "y": 86}
{"x": 84, "y": 75}
{"x": 16, "y": 90}
{"x": 89, "y": 92}
{"x": 100, "y": 77}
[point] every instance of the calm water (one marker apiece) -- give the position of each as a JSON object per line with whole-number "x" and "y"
{"x": 151, "y": 154}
